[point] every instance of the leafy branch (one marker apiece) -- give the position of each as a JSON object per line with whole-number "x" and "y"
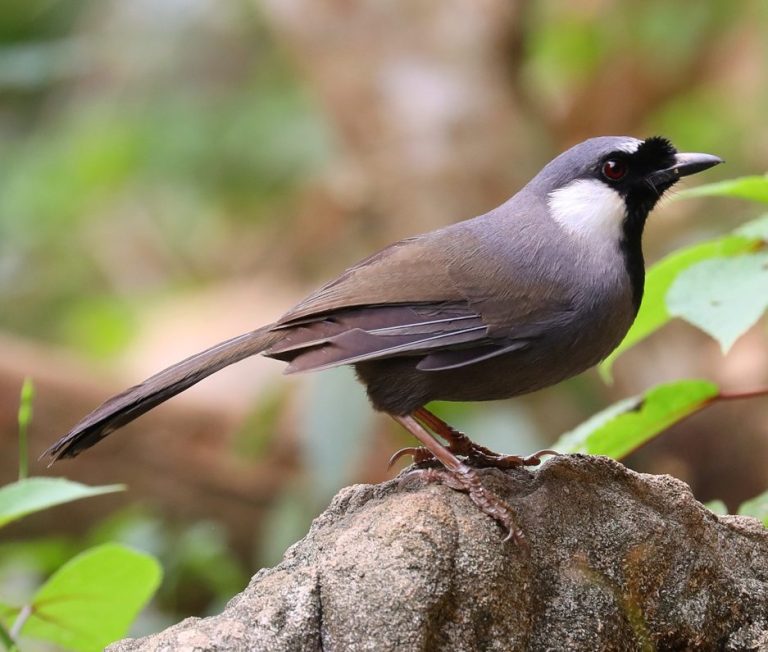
{"x": 92, "y": 599}
{"x": 623, "y": 427}
{"x": 719, "y": 286}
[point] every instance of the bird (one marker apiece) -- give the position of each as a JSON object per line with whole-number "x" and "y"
{"x": 525, "y": 296}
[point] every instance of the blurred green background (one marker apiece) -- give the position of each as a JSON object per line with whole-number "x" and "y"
{"x": 175, "y": 172}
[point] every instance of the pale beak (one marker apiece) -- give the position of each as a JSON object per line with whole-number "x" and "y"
{"x": 684, "y": 165}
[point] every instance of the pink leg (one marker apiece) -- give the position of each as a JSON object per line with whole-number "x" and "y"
{"x": 460, "y": 444}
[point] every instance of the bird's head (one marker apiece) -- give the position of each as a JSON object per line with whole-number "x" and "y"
{"x": 605, "y": 187}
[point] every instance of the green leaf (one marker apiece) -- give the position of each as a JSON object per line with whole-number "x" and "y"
{"x": 754, "y": 188}
{"x": 628, "y": 424}
{"x": 35, "y": 494}
{"x": 724, "y": 297}
{"x": 92, "y": 600}
{"x": 757, "y": 507}
{"x": 756, "y": 229}
{"x": 24, "y": 415}
{"x": 653, "y": 313}
{"x": 717, "y": 507}
{"x": 24, "y": 418}
{"x": 6, "y": 640}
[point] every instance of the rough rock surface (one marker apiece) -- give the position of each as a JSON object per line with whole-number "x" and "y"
{"x": 615, "y": 560}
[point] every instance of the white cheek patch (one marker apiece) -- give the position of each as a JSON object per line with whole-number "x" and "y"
{"x": 589, "y": 209}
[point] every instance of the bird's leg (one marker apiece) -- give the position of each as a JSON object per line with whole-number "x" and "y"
{"x": 460, "y": 444}
{"x": 461, "y": 477}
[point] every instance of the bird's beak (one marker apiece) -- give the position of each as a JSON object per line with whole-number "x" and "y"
{"x": 684, "y": 165}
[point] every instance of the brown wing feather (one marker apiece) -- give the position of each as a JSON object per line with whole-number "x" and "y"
{"x": 412, "y": 271}
{"x": 360, "y": 334}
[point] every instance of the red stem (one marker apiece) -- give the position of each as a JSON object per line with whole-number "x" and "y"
{"x": 737, "y": 396}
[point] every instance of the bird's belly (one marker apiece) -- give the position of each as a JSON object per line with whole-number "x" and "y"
{"x": 395, "y": 385}
{"x": 521, "y": 372}
{"x": 545, "y": 361}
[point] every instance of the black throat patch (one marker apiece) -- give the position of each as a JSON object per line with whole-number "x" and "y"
{"x": 632, "y": 250}
{"x": 640, "y": 197}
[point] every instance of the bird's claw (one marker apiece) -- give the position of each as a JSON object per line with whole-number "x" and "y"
{"x": 483, "y": 457}
{"x": 534, "y": 459}
{"x": 419, "y": 454}
{"x": 475, "y": 455}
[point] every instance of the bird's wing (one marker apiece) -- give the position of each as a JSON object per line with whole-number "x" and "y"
{"x": 376, "y": 332}
{"x": 436, "y": 297}
{"x": 411, "y": 271}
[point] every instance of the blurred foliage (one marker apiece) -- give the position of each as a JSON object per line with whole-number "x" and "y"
{"x": 333, "y": 442}
{"x": 141, "y": 164}
{"x": 574, "y": 47}
{"x": 756, "y": 507}
{"x": 322, "y": 419}
{"x": 569, "y": 42}
{"x": 754, "y": 188}
{"x": 158, "y": 146}
{"x": 717, "y": 507}
{"x": 259, "y": 429}
{"x": 87, "y": 601}
{"x": 135, "y": 166}
{"x": 200, "y": 572}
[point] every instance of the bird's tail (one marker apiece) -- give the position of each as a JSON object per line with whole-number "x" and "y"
{"x": 135, "y": 401}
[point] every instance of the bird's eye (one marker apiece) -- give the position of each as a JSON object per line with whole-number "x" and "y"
{"x": 614, "y": 170}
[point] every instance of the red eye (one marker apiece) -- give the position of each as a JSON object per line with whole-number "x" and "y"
{"x": 614, "y": 170}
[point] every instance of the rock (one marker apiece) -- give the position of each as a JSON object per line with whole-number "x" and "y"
{"x": 615, "y": 560}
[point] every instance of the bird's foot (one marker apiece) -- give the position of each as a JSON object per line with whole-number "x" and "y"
{"x": 482, "y": 457}
{"x": 459, "y": 476}
{"x": 468, "y": 481}
{"x": 475, "y": 454}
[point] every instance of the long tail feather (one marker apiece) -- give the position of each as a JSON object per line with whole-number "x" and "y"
{"x": 135, "y": 401}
